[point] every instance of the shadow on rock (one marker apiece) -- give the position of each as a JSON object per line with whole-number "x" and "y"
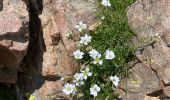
{"x": 30, "y": 78}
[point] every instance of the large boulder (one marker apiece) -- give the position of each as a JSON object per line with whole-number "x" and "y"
{"x": 150, "y": 20}
{"x": 14, "y": 35}
{"x": 58, "y": 18}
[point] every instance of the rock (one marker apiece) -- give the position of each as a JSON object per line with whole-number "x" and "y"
{"x": 8, "y": 76}
{"x": 58, "y": 18}
{"x": 50, "y": 90}
{"x": 141, "y": 81}
{"x": 166, "y": 91}
{"x": 14, "y": 34}
{"x": 166, "y": 75}
{"x": 149, "y": 19}
{"x": 64, "y": 64}
{"x": 1, "y": 5}
{"x": 36, "y": 45}
{"x": 151, "y": 98}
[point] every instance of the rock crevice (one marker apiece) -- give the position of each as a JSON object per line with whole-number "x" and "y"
{"x": 34, "y": 47}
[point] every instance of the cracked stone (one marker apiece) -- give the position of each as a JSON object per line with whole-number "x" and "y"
{"x": 150, "y": 20}
{"x": 13, "y": 38}
{"x": 59, "y": 17}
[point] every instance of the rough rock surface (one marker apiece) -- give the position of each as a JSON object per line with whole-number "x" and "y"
{"x": 150, "y": 20}
{"x": 43, "y": 69}
{"x": 14, "y": 35}
{"x": 59, "y": 17}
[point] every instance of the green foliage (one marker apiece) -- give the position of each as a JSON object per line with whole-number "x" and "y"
{"x": 114, "y": 34}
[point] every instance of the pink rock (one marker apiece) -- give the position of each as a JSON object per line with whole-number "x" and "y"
{"x": 149, "y": 19}
{"x": 13, "y": 39}
{"x": 58, "y": 19}
{"x": 50, "y": 90}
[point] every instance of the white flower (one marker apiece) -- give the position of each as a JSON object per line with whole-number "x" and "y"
{"x": 97, "y": 60}
{"x": 78, "y": 79}
{"x": 78, "y": 82}
{"x": 93, "y": 53}
{"x": 69, "y": 34}
{"x": 94, "y": 90}
{"x": 78, "y": 54}
{"x": 81, "y": 26}
{"x": 86, "y": 39}
{"x": 157, "y": 35}
{"x": 69, "y": 89}
{"x": 62, "y": 78}
{"x": 103, "y": 17}
{"x": 106, "y": 3}
{"x": 115, "y": 80}
{"x": 86, "y": 73}
{"x": 110, "y": 54}
{"x": 78, "y": 76}
{"x": 96, "y": 56}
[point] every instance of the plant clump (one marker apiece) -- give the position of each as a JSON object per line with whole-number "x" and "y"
{"x": 104, "y": 54}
